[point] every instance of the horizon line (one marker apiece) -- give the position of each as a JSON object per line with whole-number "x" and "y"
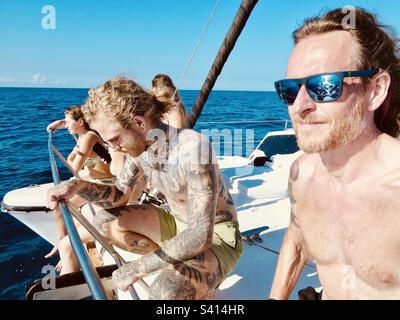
{"x": 87, "y": 88}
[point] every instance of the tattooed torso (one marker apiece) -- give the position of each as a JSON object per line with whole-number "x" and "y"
{"x": 350, "y": 231}
{"x": 170, "y": 178}
{"x": 190, "y": 179}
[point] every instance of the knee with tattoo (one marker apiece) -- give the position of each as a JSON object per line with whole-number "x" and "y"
{"x": 102, "y": 219}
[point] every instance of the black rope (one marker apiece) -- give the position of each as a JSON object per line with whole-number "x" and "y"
{"x": 225, "y": 49}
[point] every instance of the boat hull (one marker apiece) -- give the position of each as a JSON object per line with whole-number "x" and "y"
{"x": 28, "y": 205}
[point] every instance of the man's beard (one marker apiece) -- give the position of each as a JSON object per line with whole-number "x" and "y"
{"x": 139, "y": 147}
{"x": 341, "y": 131}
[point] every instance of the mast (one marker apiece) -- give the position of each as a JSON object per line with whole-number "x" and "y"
{"x": 225, "y": 49}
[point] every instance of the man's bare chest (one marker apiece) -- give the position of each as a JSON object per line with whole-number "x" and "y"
{"x": 165, "y": 177}
{"x": 356, "y": 226}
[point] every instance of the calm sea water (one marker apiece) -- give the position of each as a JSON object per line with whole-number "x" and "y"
{"x": 24, "y": 115}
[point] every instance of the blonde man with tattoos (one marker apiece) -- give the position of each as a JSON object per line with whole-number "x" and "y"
{"x": 195, "y": 245}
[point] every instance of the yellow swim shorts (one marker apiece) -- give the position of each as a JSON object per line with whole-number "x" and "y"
{"x": 227, "y": 241}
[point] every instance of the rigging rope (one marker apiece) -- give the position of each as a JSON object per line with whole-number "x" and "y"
{"x": 196, "y": 47}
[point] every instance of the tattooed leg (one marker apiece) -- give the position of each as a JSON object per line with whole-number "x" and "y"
{"x": 133, "y": 242}
{"x": 135, "y": 228}
{"x": 188, "y": 280}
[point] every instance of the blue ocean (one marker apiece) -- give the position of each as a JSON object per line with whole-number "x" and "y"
{"x": 24, "y": 115}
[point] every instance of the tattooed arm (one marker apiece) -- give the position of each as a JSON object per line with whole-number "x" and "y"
{"x": 197, "y": 237}
{"x": 293, "y": 254}
{"x": 106, "y": 196}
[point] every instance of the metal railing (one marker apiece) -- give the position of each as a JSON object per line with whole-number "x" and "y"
{"x": 92, "y": 278}
{"x": 89, "y": 227}
{"x": 247, "y": 121}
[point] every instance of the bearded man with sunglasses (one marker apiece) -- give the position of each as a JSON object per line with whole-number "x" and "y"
{"x": 342, "y": 89}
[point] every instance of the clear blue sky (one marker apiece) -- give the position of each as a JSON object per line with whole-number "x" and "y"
{"x": 96, "y": 40}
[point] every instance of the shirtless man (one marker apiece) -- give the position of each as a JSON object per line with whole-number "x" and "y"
{"x": 345, "y": 189}
{"x": 195, "y": 246}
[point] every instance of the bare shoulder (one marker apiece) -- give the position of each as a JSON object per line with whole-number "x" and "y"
{"x": 189, "y": 139}
{"x": 87, "y": 141}
{"x": 303, "y": 168}
{"x": 186, "y": 136}
{"x": 388, "y": 173}
{"x": 390, "y": 154}
{"x": 91, "y": 136}
{"x": 195, "y": 149}
{"x": 301, "y": 171}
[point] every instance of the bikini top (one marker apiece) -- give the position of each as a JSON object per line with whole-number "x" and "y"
{"x": 102, "y": 154}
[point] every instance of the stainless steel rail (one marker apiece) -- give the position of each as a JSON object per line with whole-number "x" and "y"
{"x": 95, "y": 233}
{"x": 92, "y": 278}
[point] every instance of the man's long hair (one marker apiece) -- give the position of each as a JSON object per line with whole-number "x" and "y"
{"x": 121, "y": 99}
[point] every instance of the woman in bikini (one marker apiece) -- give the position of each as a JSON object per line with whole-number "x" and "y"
{"x": 92, "y": 161}
{"x": 88, "y": 154}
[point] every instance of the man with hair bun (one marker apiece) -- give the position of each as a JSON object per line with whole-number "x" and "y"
{"x": 196, "y": 244}
{"x": 342, "y": 89}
